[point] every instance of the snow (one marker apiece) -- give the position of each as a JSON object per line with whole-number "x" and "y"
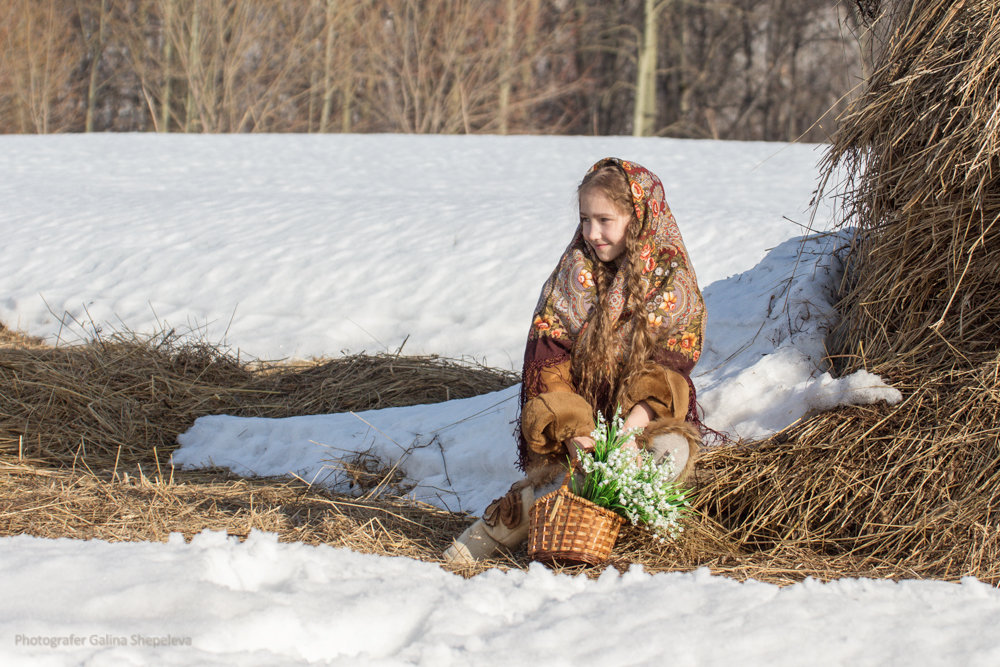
{"x": 461, "y": 453}
{"x": 301, "y": 246}
{"x": 261, "y": 602}
{"x": 295, "y": 246}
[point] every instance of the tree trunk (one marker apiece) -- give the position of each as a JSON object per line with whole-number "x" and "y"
{"x": 194, "y": 50}
{"x": 347, "y": 74}
{"x": 324, "y": 120}
{"x": 168, "y": 70}
{"x": 644, "y": 118}
{"x": 96, "y": 51}
{"x": 507, "y": 67}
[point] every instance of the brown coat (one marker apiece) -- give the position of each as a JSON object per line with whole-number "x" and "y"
{"x": 558, "y": 414}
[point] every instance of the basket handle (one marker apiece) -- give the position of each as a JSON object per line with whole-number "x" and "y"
{"x": 554, "y": 510}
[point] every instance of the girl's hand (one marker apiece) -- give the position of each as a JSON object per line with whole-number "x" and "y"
{"x": 639, "y": 416}
{"x": 633, "y": 447}
{"x": 584, "y": 442}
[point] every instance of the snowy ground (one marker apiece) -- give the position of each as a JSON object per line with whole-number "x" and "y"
{"x": 298, "y": 246}
{"x": 265, "y": 603}
{"x": 290, "y": 246}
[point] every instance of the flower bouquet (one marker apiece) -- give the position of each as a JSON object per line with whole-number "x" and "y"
{"x": 580, "y": 521}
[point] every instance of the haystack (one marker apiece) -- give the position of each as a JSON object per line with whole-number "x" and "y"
{"x": 913, "y": 489}
{"x": 121, "y": 399}
{"x": 86, "y": 433}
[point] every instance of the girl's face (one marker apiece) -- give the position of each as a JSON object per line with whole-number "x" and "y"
{"x": 603, "y": 224}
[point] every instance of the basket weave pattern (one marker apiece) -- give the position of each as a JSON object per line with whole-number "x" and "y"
{"x": 566, "y": 527}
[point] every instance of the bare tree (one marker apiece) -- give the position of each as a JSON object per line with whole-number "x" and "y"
{"x": 39, "y": 54}
{"x": 235, "y": 65}
{"x": 760, "y": 69}
{"x": 448, "y": 66}
{"x": 644, "y": 117}
{"x": 95, "y": 37}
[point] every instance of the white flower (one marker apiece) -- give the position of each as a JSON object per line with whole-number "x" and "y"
{"x": 641, "y": 491}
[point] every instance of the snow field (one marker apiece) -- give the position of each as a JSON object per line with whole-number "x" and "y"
{"x": 261, "y": 602}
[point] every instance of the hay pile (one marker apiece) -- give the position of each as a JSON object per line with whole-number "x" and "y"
{"x": 923, "y": 145}
{"x": 911, "y": 490}
{"x": 122, "y": 400}
{"x": 86, "y": 433}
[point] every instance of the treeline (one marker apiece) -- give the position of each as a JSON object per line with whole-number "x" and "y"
{"x": 741, "y": 69}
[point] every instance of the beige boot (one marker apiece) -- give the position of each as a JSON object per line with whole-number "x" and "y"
{"x": 679, "y": 439}
{"x": 472, "y": 545}
{"x": 504, "y": 524}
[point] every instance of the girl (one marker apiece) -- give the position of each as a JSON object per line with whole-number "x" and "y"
{"x": 619, "y": 323}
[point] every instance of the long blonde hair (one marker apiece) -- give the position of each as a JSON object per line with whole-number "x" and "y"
{"x": 601, "y": 369}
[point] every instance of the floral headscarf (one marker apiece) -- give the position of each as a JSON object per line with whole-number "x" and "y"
{"x": 673, "y": 305}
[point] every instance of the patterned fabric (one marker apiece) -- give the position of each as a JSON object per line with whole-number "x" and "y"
{"x": 673, "y": 305}
{"x": 674, "y": 308}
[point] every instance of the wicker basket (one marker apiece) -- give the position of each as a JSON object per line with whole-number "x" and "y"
{"x": 566, "y": 528}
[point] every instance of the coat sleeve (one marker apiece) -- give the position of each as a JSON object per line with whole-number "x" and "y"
{"x": 664, "y": 390}
{"x": 557, "y": 414}
{"x": 556, "y": 378}
{"x": 552, "y": 418}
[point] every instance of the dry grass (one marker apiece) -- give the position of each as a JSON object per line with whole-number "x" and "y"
{"x": 913, "y": 489}
{"x": 909, "y": 490}
{"x": 38, "y": 500}
{"x": 122, "y": 400}
{"x": 118, "y": 485}
{"x": 86, "y": 432}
